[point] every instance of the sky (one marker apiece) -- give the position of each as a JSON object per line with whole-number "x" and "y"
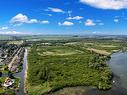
{"x": 63, "y": 17}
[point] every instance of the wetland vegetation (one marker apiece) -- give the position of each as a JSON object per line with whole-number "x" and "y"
{"x": 58, "y": 64}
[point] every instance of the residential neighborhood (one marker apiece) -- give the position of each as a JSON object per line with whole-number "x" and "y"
{"x": 11, "y": 62}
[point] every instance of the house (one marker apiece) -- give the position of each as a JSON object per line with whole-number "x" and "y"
{"x": 8, "y": 82}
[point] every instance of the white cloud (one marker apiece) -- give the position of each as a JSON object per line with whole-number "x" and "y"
{"x": 94, "y": 32}
{"x": 100, "y": 23}
{"x": 66, "y": 23}
{"x": 116, "y": 17}
{"x": 89, "y": 22}
{"x": 32, "y": 21}
{"x": 4, "y": 28}
{"x": 49, "y": 14}
{"x": 19, "y": 19}
{"x": 106, "y": 4}
{"x": 98, "y": 20}
{"x": 18, "y": 24}
{"x": 69, "y": 13}
{"x": 57, "y": 10}
{"x": 10, "y": 32}
{"x": 44, "y": 22}
{"x": 75, "y": 18}
{"x": 116, "y": 20}
{"x": 14, "y": 32}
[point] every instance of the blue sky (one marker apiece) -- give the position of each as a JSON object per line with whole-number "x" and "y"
{"x": 63, "y": 17}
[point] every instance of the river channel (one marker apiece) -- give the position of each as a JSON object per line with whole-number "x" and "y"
{"x": 21, "y": 75}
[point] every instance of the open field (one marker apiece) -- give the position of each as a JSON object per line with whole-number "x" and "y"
{"x": 15, "y": 42}
{"x": 102, "y": 52}
{"x": 53, "y": 50}
{"x": 49, "y": 37}
{"x": 5, "y": 37}
{"x": 107, "y": 46}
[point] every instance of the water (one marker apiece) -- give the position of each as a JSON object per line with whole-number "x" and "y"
{"x": 118, "y": 65}
{"x": 21, "y": 75}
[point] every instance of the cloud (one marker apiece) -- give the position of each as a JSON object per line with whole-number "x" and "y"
{"x": 106, "y": 4}
{"x": 100, "y": 23}
{"x": 57, "y": 10}
{"x": 75, "y": 18}
{"x": 66, "y": 23}
{"x": 4, "y": 28}
{"x": 94, "y": 32}
{"x": 32, "y": 21}
{"x": 44, "y": 22}
{"x": 98, "y": 20}
{"x": 19, "y": 19}
{"x": 10, "y": 32}
{"x": 69, "y": 13}
{"x": 116, "y": 20}
{"x": 14, "y": 32}
{"x": 49, "y": 14}
{"x": 89, "y": 22}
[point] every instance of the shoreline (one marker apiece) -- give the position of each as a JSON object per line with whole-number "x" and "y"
{"x": 25, "y": 76}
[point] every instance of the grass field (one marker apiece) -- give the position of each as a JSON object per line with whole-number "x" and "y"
{"x": 57, "y": 50}
{"x": 106, "y": 46}
{"x": 5, "y": 37}
{"x": 50, "y": 37}
{"x": 15, "y": 42}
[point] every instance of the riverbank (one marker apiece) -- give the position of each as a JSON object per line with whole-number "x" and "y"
{"x": 25, "y": 82}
